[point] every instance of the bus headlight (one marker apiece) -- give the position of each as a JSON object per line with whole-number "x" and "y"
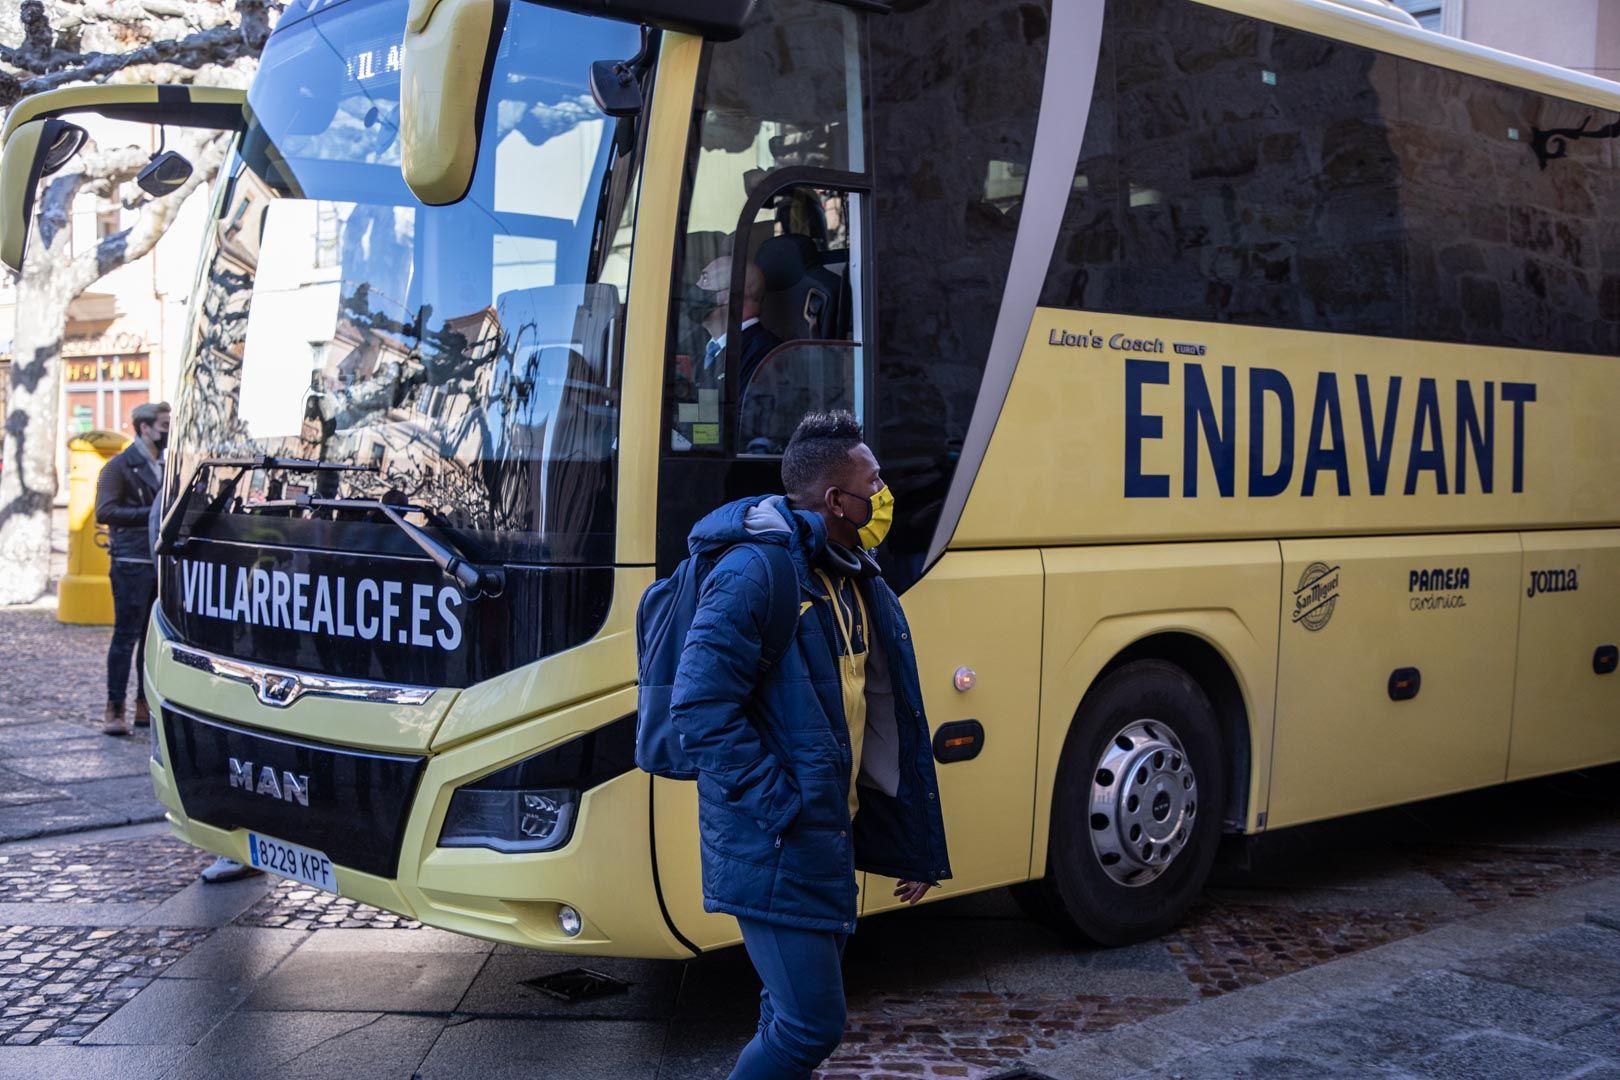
{"x": 510, "y": 820}
{"x": 531, "y": 805}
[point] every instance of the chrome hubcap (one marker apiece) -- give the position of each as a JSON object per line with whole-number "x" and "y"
{"x": 1144, "y": 797}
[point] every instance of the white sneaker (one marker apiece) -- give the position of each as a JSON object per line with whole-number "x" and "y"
{"x": 224, "y": 869}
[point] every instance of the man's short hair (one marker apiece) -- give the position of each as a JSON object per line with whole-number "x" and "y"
{"x": 149, "y": 413}
{"x": 819, "y": 450}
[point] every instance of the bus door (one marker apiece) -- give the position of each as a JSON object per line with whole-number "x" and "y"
{"x": 768, "y": 311}
{"x": 1395, "y": 675}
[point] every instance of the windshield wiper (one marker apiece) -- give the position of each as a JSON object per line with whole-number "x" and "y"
{"x": 169, "y": 540}
{"x": 473, "y": 580}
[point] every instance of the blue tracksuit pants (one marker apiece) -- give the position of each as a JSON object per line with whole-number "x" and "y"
{"x": 801, "y": 1008}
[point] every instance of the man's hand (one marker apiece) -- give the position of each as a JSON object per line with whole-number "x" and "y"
{"x": 911, "y": 891}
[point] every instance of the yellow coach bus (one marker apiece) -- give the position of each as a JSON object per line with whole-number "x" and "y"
{"x": 1244, "y": 371}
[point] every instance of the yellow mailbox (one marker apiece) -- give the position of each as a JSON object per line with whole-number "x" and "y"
{"x": 86, "y": 593}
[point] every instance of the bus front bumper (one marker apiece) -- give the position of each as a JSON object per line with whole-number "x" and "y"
{"x": 604, "y": 872}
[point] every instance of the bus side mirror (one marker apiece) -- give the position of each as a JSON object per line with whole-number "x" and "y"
{"x": 35, "y": 150}
{"x": 39, "y": 141}
{"x": 448, "y": 45}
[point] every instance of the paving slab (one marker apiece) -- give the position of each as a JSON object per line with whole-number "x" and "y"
{"x": 363, "y": 982}
{"x": 1601, "y": 1039}
{"x": 80, "y": 1062}
{"x": 131, "y": 794}
{"x": 55, "y": 817}
{"x": 499, "y": 991}
{"x": 125, "y": 757}
{"x": 1581, "y": 961}
{"x": 1486, "y": 1003}
{"x": 170, "y": 1012}
{"x": 205, "y": 903}
{"x": 51, "y": 737}
{"x": 694, "y": 1050}
{"x": 1495, "y": 1056}
{"x": 719, "y": 987}
{"x": 18, "y": 790}
{"x": 525, "y": 1049}
{"x": 1256, "y": 1059}
{"x": 1376, "y": 1034}
{"x": 311, "y": 1046}
{"x": 425, "y": 940}
{"x": 238, "y": 954}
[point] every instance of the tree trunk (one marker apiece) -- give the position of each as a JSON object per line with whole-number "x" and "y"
{"x": 28, "y": 480}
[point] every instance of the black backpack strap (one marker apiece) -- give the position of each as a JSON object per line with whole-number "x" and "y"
{"x": 782, "y": 615}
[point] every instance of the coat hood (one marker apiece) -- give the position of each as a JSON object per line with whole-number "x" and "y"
{"x": 762, "y": 519}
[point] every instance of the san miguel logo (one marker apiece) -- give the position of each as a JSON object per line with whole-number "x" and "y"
{"x": 1546, "y": 581}
{"x": 1317, "y": 595}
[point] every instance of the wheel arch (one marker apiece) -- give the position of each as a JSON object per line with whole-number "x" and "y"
{"x": 1215, "y": 674}
{"x": 1242, "y": 705}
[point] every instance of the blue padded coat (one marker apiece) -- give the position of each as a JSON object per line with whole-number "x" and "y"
{"x": 773, "y": 753}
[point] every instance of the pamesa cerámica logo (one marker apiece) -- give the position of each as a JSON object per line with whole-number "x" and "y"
{"x": 1440, "y": 588}
{"x": 1317, "y": 596}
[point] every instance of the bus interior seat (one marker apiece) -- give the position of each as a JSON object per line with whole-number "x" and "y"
{"x": 801, "y": 301}
{"x": 798, "y": 377}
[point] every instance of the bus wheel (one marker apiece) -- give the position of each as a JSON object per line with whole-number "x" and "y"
{"x": 1136, "y": 814}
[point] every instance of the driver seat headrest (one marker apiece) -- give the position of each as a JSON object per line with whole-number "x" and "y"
{"x": 782, "y": 260}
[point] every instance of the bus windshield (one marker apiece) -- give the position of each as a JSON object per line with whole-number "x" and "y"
{"x": 464, "y": 357}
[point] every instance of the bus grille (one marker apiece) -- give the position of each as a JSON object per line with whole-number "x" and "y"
{"x": 349, "y": 804}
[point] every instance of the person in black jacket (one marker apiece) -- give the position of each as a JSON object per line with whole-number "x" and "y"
{"x": 127, "y": 488}
{"x": 757, "y": 340}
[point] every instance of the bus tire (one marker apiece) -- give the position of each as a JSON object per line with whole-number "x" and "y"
{"x": 1136, "y": 814}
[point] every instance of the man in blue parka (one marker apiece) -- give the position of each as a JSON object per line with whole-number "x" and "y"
{"x": 820, "y": 766}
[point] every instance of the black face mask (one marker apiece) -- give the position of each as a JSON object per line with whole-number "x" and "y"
{"x": 161, "y": 442}
{"x": 699, "y": 302}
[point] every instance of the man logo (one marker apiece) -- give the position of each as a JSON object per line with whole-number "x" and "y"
{"x": 1317, "y": 595}
{"x": 279, "y": 690}
{"x": 292, "y": 787}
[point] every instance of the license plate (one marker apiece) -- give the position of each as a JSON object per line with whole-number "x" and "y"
{"x": 289, "y": 860}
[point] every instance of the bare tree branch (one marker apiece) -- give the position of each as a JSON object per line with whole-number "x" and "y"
{"x": 221, "y": 44}
{"x": 184, "y": 36}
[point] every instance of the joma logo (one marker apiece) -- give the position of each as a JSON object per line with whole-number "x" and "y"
{"x": 1546, "y": 581}
{"x": 291, "y": 787}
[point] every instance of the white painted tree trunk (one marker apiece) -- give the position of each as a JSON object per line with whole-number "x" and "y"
{"x": 28, "y": 482}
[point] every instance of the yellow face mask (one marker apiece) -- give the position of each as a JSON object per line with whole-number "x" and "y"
{"x": 878, "y": 519}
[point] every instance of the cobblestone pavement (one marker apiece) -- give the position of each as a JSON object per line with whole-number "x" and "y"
{"x": 1464, "y": 937}
{"x": 57, "y": 984}
{"x": 108, "y": 872}
{"x": 1471, "y": 936}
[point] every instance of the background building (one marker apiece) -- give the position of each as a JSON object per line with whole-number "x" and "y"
{"x": 1579, "y": 34}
